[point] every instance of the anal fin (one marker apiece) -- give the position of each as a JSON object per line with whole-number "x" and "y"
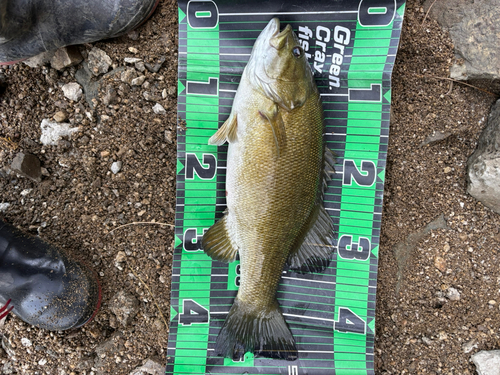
{"x": 313, "y": 255}
{"x": 217, "y": 244}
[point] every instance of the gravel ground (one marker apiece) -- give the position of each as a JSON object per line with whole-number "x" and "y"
{"x": 438, "y": 293}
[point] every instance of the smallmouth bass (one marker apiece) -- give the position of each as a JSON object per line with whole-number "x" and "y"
{"x": 277, "y": 167}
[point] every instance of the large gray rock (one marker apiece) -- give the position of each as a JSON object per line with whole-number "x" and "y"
{"x": 487, "y": 362}
{"x": 483, "y": 166}
{"x": 474, "y": 28}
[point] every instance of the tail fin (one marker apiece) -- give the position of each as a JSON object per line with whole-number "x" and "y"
{"x": 265, "y": 333}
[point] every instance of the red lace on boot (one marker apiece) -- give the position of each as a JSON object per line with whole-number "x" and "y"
{"x": 5, "y": 310}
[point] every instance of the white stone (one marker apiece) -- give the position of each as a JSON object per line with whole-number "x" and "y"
{"x": 116, "y": 167}
{"x": 487, "y": 362}
{"x": 4, "y": 206}
{"x": 53, "y": 131}
{"x": 149, "y": 368}
{"x": 159, "y": 110}
{"x": 138, "y": 81}
{"x": 72, "y": 91}
{"x": 453, "y": 294}
{"x": 26, "y": 342}
{"x": 131, "y": 60}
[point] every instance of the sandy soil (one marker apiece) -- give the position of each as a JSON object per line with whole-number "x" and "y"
{"x": 423, "y": 325}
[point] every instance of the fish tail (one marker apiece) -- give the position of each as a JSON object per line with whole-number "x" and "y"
{"x": 265, "y": 333}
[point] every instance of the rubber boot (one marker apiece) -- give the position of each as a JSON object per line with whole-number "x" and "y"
{"x": 30, "y": 27}
{"x": 42, "y": 285}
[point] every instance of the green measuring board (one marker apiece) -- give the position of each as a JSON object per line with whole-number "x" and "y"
{"x": 351, "y": 46}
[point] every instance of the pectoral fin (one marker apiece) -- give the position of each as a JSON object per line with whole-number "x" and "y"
{"x": 313, "y": 255}
{"x": 217, "y": 244}
{"x": 273, "y": 116}
{"x": 227, "y": 132}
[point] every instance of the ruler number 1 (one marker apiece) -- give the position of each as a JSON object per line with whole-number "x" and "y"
{"x": 293, "y": 370}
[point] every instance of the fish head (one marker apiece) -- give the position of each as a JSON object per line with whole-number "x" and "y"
{"x": 279, "y": 67}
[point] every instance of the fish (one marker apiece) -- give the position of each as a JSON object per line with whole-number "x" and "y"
{"x": 277, "y": 169}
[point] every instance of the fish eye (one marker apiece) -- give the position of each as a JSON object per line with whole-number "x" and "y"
{"x": 298, "y": 51}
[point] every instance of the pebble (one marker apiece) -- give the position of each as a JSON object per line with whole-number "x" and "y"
{"x": 116, "y": 167}
{"x": 138, "y": 81}
{"x": 66, "y": 57}
{"x": 159, "y": 110}
{"x": 60, "y": 116}
{"x": 99, "y": 61}
{"x": 426, "y": 340}
{"x": 125, "y": 307}
{"x": 133, "y": 50}
{"x": 72, "y": 91}
{"x": 26, "y": 342}
{"x": 27, "y": 165}
{"x": 4, "y": 206}
{"x": 132, "y": 60}
{"x": 53, "y": 131}
{"x": 487, "y": 362}
{"x": 469, "y": 346}
{"x": 128, "y": 75}
{"x": 140, "y": 66}
{"x": 150, "y": 367}
{"x": 453, "y": 294}
{"x": 440, "y": 263}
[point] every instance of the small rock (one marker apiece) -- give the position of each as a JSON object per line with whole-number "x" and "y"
{"x": 27, "y": 165}
{"x": 169, "y": 137}
{"x": 140, "y": 66}
{"x": 4, "y": 206}
{"x": 138, "y": 81}
{"x": 132, "y": 60}
{"x": 427, "y": 341}
{"x": 53, "y": 131}
{"x": 128, "y": 75}
{"x": 116, "y": 167}
{"x": 447, "y": 170}
{"x": 125, "y": 307}
{"x": 435, "y": 138}
{"x": 99, "y": 61}
{"x": 155, "y": 68}
{"x": 119, "y": 259}
{"x": 469, "y": 346}
{"x": 26, "y": 342}
{"x": 39, "y": 60}
{"x": 440, "y": 263}
{"x": 492, "y": 302}
{"x": 453, "y": 294}
{"x": 7, "y": 345}
{"x": 159, "y": 110}
{"x": 134, "y": 35}
{"x": 60, "y": 116}
{"x": 133, "y": 50}
{"x": 42, "y": 362}
{"x": 110, "y": 96}
{"x": 72, "y": 91}
{"x": 66, "y": 57}
{"x": 487, "y": 362}
{"x": 150, "y": 367}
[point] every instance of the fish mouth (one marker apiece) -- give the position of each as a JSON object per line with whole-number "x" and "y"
{"x": 278, "y": 39}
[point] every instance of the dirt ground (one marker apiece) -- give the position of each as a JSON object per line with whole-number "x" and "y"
{"x": 438, "y": 292}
